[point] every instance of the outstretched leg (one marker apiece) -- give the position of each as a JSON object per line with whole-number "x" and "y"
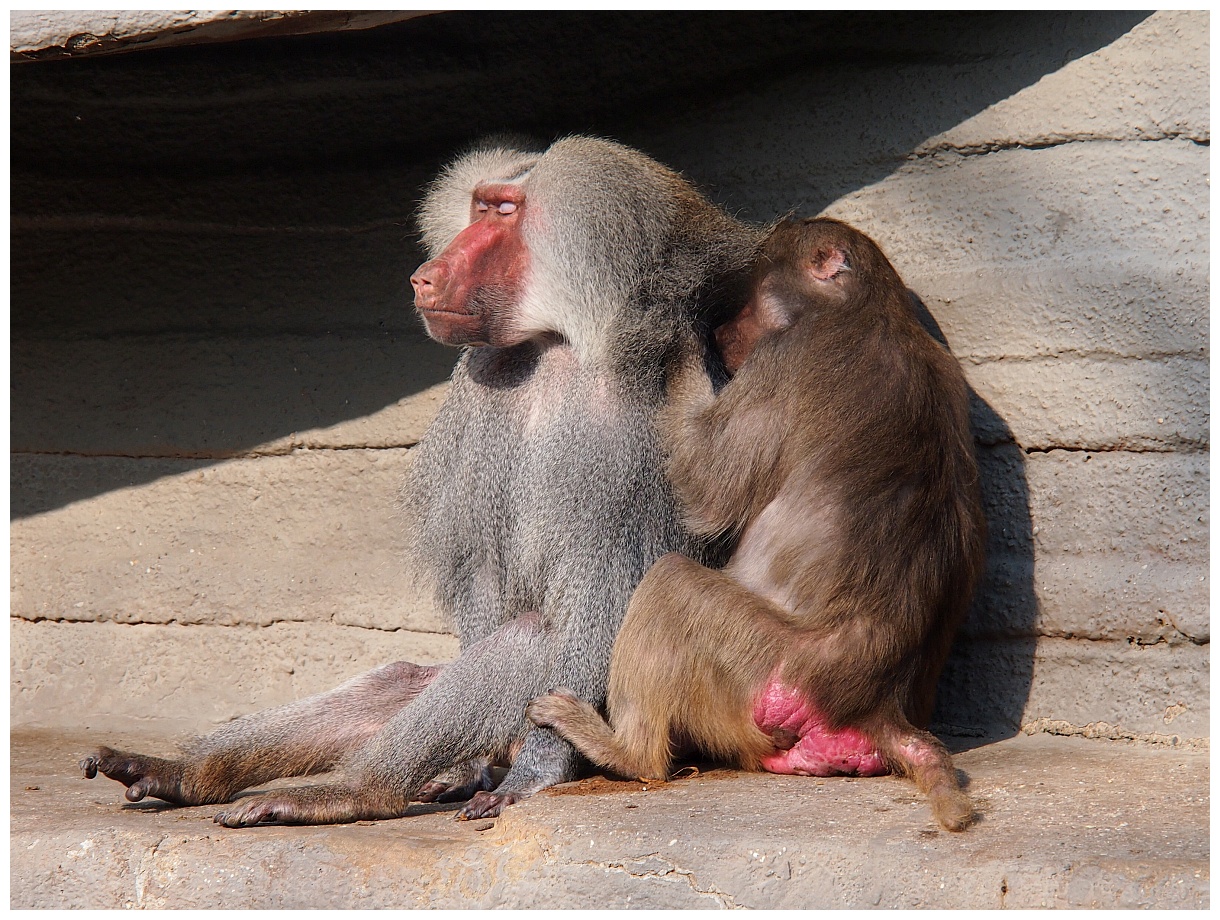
{"x": 450, "y": 722}
{"x": 297, "y": 739}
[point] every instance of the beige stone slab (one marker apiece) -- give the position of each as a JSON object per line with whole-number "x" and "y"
{"x": 226, "y": 395}
{"x": 1066, "y": 823}
{"x": 1144, "y": 507}
{"x": 1075, "y": 206}
{"x": 1048, "y": 309}
{"x": 179, "y": 680}
{"x": 1139, "y": 506}
{"x": 1120, "y": 688}
{"x": 1114, "y": 404}
{"x": 1092, "y": 596}
{"x": 37, "y": 34}
{"x": 314, "y": 536}
{"x": 998, "y": 82}
{"x": 1131, "y": 88}
{"x": 1102, "y": 545}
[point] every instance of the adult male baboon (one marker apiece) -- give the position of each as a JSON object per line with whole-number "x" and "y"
{"x": 583, "y": 275}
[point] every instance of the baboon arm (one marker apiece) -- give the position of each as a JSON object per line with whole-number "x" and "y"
{"x": 723, "y": 463}
{"x": 722, "y": 448}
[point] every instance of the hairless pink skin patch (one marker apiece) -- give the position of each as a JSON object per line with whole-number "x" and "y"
{"x": 819, "y": 751}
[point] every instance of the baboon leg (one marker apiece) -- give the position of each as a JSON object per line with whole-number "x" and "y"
{"x": 573, "y": 718}
{"x": 297, "y": 739}
{"x": 691, "y": 654}
{"x": 449, "y": 722}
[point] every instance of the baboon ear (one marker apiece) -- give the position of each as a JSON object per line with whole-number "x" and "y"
{"x": 828, "y": 261}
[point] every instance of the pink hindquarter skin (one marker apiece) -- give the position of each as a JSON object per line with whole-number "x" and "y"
{"x": 820, "y": 751}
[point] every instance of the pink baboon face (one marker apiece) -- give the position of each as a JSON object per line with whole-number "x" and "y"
{"x": 469, "y": 294}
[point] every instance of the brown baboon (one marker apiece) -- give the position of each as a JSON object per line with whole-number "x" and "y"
{"x": 580, "y": 276}
{"x": 841, "y": 453}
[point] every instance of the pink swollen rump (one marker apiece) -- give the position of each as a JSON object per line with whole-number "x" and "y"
{"x": 819, "y": 751}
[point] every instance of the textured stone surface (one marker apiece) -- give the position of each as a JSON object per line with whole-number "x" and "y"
{"x": 1153, "y": 404}
{"x": 189, "y": 679}
{"x": 38, "y": 34}
{"x": 1065, "y": 823}
{"x": 1114, "y": 544}
{"x": 1130, "y": 88}
{"x": 1147, "y": 692}
{"x": 985, "y": 83}
{"x": 313, "y": 536}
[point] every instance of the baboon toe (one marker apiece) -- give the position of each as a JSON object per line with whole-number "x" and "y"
{"x": 256, "y": 811}
{"x": 89, "y": 765}
{"x": 431, "y": 791}
{"x": 140, "y": 788}
{"x": 288, "y": 807}
{"x": 435, "y": 791}
{"x": 439, "y": 791}
{"x": 116, "y": 765}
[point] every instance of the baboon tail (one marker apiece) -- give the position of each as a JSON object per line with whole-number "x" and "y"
{"x": 921, "y": 756}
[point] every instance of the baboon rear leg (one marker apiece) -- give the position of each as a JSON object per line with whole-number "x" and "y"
{"x": 381, "y": 778}
{"x": 297, "y": 739}
{"x": 684, "y": 666}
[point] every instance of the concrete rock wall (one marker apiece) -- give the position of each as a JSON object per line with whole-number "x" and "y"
{"x": 217, "y": 378}
{"x": 56, "y": 34}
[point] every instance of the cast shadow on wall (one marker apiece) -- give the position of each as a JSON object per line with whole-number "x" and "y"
{"x": 195, "y": 275}
{"x": 986, "y": 682}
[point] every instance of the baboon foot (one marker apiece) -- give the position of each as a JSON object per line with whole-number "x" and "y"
{"x": 144, "y": 776}
{"x": 309, "y": 805}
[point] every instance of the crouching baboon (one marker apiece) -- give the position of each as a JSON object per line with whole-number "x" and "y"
{"x": 841, "y": 452}
{"x": 580, "y": 277}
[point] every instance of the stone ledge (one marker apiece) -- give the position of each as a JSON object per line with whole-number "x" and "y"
{"x": 1065, "y": 823}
